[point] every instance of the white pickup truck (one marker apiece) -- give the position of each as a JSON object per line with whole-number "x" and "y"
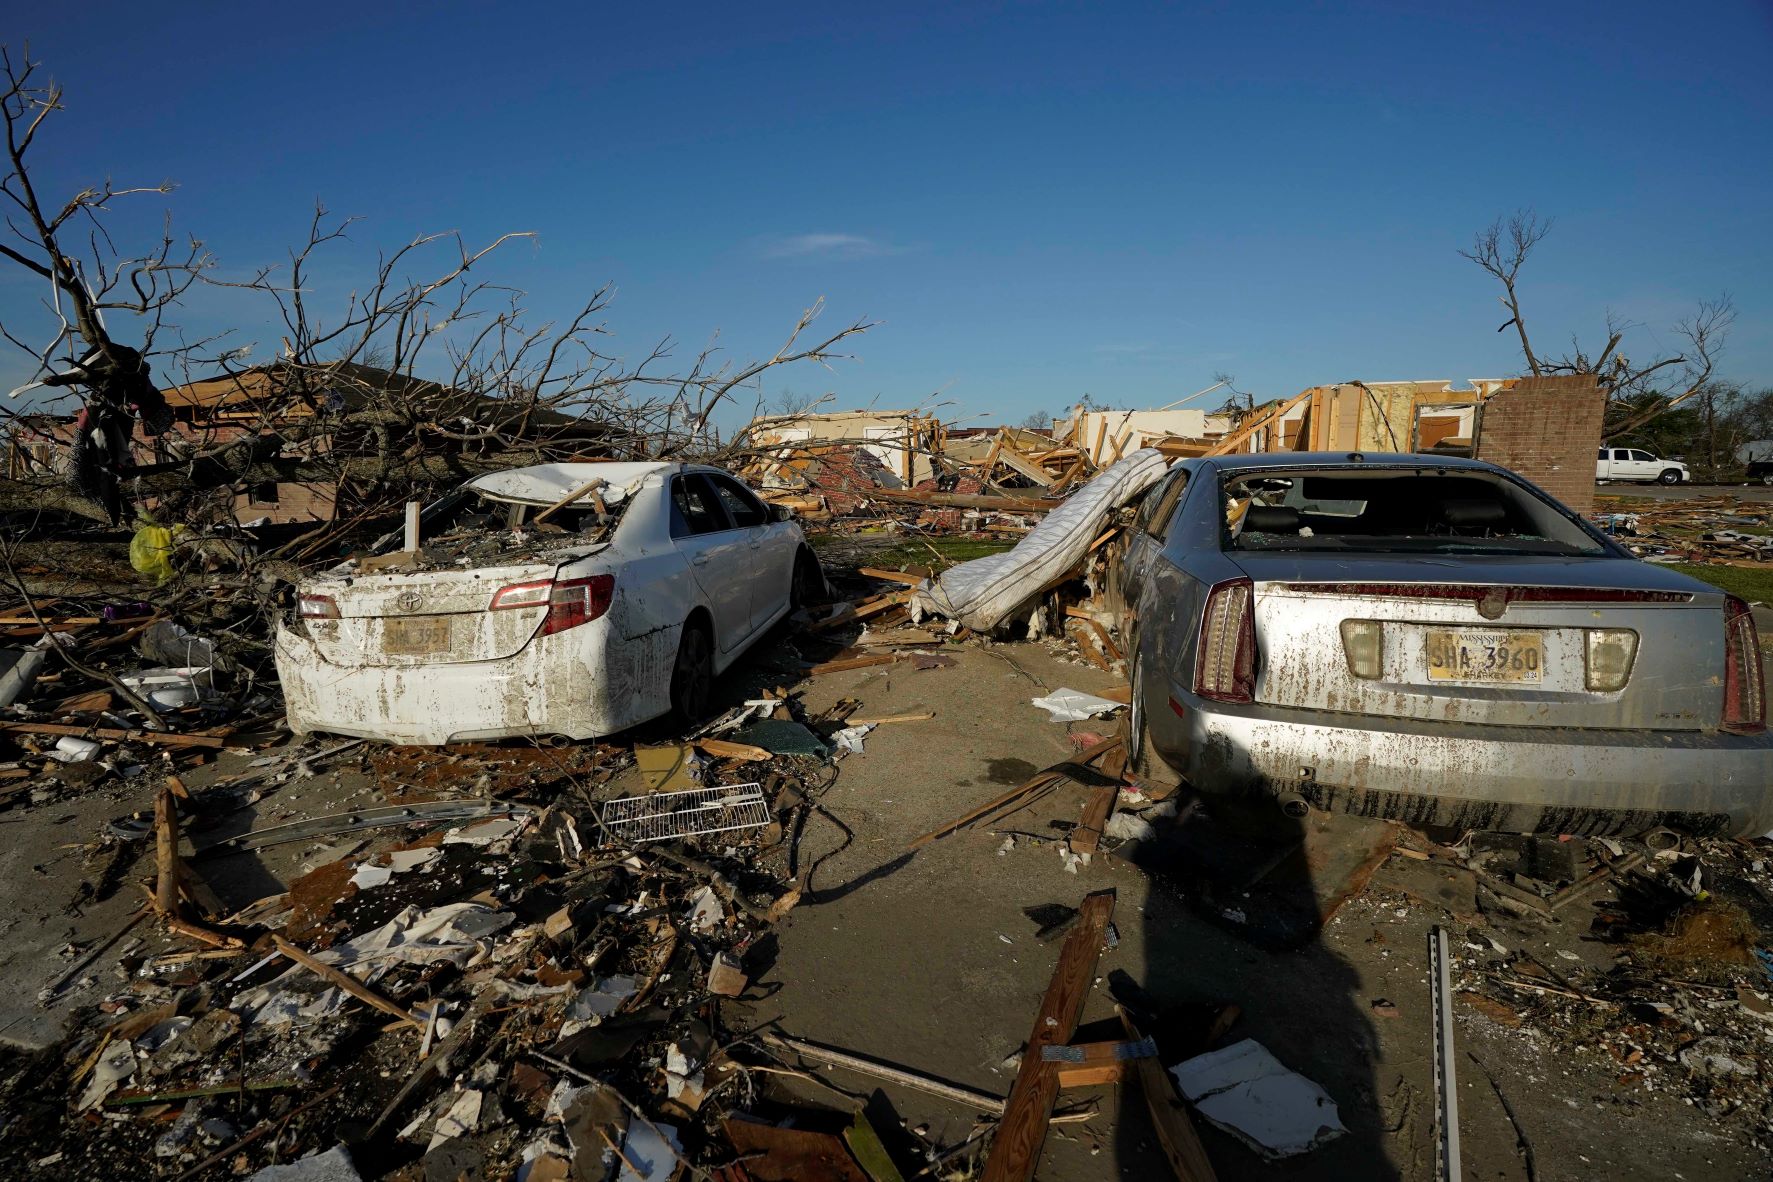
{"x": 1630, "y": 463}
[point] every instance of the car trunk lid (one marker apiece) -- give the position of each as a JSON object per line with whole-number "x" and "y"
{"x": 1515, "y": 642}
{"x": 425, "y": 617}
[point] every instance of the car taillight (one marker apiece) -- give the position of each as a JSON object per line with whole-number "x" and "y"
{"x": 1608, "y": 657}
{"x": 1363, "y": 643}
{"x": 317, "y": 607}
{"x": 1745, "y": 690}
{"x": 521, "y": 595}
{"x": 570, "y": 602}
{"x": 578, "y": 601}
{"x": 1225, "y": 659}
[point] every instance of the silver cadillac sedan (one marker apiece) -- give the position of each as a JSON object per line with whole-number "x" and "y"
{"x": 1433, "y": 640}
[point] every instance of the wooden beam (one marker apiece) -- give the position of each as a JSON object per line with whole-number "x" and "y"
{"x": 1015, "y": 1150}
{"x": 591, "y": 485}
{"x": 166, "y": 853}
{"x": 1175, "y": 1131}
{"x": 1042, "y": 779}
{"x": 894, "y": 576}
{"x": 164, "y": 738}
{"x": 1231, "y": 442}
{"x": 344, "y": 981}
{"x": 1088, "y": 834}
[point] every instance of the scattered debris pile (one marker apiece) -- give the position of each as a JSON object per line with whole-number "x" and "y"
{"x": 484, "y": 987}
{"x": 1698, "y": 529}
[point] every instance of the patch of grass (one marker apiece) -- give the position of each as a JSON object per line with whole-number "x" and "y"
{"x": 840, "y": 552}
{"x": 1754, "y": 584}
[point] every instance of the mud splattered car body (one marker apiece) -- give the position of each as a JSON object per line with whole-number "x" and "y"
{"x": 620, "y": 607}
{"x": 1435, "y": 640}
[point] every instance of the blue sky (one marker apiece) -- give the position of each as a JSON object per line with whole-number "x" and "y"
{"x": 1033, "y": 200}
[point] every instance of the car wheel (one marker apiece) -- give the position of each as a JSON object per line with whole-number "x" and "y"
{"x": 692, "y": 676}
{"x": 1670, "y": 476}
{"x": 1767, "y": 478}
{"x": 1142, "y": 758}
{"x": 808, "y": 586}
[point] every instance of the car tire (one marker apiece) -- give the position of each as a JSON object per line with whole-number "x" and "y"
{"x": 692, "y": 674}
{"x": 1669, "y": 476}
{"x": 808, "y": 584}
{"x": 1142, "y": 758}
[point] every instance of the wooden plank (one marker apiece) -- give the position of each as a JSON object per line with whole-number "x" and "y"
{"x": 1175, "y": 1131}
{"x": 1089, "y": 1075}
{"x": 164, "y": 738}
{"x": 1015, "y": 1150}
{"x": 1016, "y": 461}
{"x": 344, "y": 981}
{"x": 1088, "y": 834}
{"x": 166, "y": 853}
{"x": 591, "y": 485}
{"x": 893, "y": 576}
{"x": 849, "y": 663}
{"x": 1042, "y": 779}
{"x": 1230, "y": 443}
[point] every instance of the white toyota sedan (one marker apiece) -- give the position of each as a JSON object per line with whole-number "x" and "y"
{"x": 560, "y": 599}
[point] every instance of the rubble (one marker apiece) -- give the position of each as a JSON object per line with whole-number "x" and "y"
{"x": 533, "y": 960}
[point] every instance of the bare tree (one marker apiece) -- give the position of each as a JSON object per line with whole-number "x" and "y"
{"x": 1636, "y": 392}
{"x": 1501, "y": 249}
{"x": 85, "y": 281}
{"x": 427, "y": 373}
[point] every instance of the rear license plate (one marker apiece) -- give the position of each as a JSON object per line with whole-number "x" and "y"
{"x": 415, "y": 636}
{"x": 1485, "y": 656}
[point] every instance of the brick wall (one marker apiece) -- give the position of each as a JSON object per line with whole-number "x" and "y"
{"x": 1547, "y": 430}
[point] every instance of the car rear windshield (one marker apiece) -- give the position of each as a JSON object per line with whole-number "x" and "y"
{"x": 1411, "y": 510}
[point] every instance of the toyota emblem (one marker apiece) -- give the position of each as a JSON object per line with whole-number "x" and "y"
{"x": 408, "y": 601}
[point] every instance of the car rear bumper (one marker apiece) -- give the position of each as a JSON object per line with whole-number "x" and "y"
{"x": 1476, "y": 777}
{"x": 548, "y": 688}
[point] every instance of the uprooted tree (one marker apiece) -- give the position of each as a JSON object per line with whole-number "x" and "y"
{"x": 1637, "y": 391}
{"x": 415, "y": 382}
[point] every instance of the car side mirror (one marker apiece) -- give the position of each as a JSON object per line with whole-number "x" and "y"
{"x": 781, "y": 513}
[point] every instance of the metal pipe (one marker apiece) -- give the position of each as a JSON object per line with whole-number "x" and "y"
{"x": 1293, "y": 805}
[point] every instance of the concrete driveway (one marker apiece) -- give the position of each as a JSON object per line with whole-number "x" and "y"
{"x": 928, "y": 961}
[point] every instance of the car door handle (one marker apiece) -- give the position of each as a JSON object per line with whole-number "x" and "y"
{"x": 700, "y": 560}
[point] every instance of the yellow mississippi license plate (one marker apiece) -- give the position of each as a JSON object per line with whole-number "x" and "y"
{"x": 415, "y": 636}
{"x": 1484, "y": 656}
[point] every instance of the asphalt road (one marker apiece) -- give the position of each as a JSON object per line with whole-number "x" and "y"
{"x": 1685, "y": 492}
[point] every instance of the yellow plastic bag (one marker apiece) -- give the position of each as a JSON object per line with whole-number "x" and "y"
{"x": 150, "y": 552}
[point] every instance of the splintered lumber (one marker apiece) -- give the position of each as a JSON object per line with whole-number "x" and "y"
{"x": 164, "y": 738}
{"x": 1088, "y": 834}
{"x": 166, "y": 853}
{"x": 201, "y": 934}
{"x": 344, "y": 981}
{"x": 1022, "y": 465}
{"x": 909, "y": 578}
{"x": 1015, "y": 1150}
{"x": 850, "y": 612}
{"x": 848, "y": 663}
{"x": 983, "y": 1101}
{"x": 1175, "y": 1131}
{"x": 590, "y": 486}
{"x": 882, "y": 720}
{"x": 721, "y": 749}
{"x": 1038, "y": 782}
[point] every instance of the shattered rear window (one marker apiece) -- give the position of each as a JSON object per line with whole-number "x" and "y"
{"x": 1399, "y": 511}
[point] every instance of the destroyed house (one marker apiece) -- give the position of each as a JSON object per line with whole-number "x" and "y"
{"x": 340, "y": 412}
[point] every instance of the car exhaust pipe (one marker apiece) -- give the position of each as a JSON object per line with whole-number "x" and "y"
{"x": 1293, "y": 805}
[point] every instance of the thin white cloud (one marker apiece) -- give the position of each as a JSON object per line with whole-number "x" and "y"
{"x": 824, "y": 246}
